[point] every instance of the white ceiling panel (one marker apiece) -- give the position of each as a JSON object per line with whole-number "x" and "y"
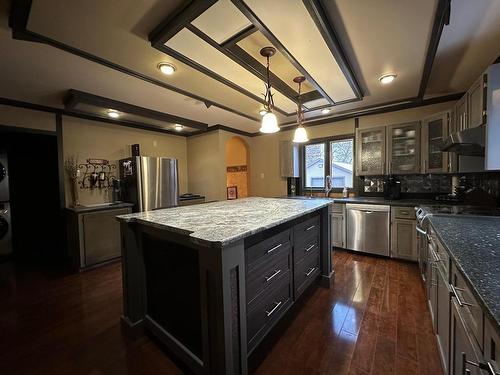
{"x": 190, "y": 45}
{"x": 221, "y": 21}
{"x": 296, "y": 30}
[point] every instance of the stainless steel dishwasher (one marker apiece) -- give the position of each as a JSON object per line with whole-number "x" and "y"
{"x": 368, "y": 228}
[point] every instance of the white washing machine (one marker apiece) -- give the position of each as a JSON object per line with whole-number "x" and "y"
{"x": 4, "y": 178}
{"x": 5, "y": 229}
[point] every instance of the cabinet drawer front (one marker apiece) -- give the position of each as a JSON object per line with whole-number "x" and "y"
{"x": 267, "y": 278}
{"x": 472, "y": 312}
{"x": 306, "y": 229}
{"x": 259, "y": 254}
{"x": 265, "y": 313}
{"x": 404, "y": 213}
{"x": 305, "y": 272}
{"x": 338, "y": 208}
{"x": 305, "y": 247}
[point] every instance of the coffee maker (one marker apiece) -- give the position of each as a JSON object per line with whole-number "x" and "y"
{"x": 392, "y": 187}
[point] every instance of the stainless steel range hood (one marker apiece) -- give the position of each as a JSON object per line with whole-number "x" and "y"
{"x": 469, "y": 142}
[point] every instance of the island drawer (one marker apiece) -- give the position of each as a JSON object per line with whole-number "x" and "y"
{"x": 468, "y": 303}
{"x": 260, "y": 254}
{"x": 266, "y": 278}
{"x": 305, "y": 247}
{"x": 306, "y": 228}
{"x": 305, "y": 272}
{"x": 268, "y": 311}
{"x": 404, "y": 213}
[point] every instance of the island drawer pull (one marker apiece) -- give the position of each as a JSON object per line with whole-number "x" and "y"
{"x": 460, "y": 302}
{"x": 278, "y": 304}
{"x": 311, "y": 270}
{"x": 311, "y": 227}
{"x": 310, "y": 247}
{"x": 276, "y": 273}
{"x": 274, "y": 248}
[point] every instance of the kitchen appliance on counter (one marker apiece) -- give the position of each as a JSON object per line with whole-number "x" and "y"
{"x": 368, "y": 228}
{"x": 392, "y": 187}
{"x": 189, "y": 199}
{"x": 150, "y": 183}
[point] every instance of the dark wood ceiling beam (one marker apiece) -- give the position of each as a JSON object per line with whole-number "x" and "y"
{"x": 441, "y": 18}
{"x": 325, "y": 27}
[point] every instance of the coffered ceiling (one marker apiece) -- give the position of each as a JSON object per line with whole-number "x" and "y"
{"x": 112, "y": 49}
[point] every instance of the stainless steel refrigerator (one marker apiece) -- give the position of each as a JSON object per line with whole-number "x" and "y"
{"x": 149, "y": 183}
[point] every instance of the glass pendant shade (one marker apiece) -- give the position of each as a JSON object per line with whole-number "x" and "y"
{"x": 300, "y": 135}
{"x": 269, "y": 123}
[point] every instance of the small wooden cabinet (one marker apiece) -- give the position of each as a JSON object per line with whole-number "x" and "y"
{"x": 403, "y": 233}
{"x": 338, "y": 231}
{"x": 94, "y": 235}
{"x": 370, "y": 151}
{"x": 403, "y": 148}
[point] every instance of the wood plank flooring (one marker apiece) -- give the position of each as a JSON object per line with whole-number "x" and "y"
{"x": 374, "y": 320}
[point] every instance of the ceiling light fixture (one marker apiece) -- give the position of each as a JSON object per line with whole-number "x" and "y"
{"x": 300, "y": 135}
{"x": 262, "y": 112}
{"x": 325, "y": 111}
{"x": 113, "y": 114}
{"x": 178, "y": 127}
{"x": 167, "y": 68}
{"x": 387, "y": 78}
{"x": 269, "y": 120}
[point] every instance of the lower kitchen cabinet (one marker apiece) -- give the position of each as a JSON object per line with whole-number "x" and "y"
{"x": 403, "y": 233}
{"x": 94, "y": 235}
{"x": 338, "y": 231}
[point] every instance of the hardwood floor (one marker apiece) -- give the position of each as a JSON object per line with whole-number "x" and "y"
{"x": 374, "y": 320}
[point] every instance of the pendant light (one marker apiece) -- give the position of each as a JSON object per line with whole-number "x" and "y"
{"x": 269, "y": 120}
{"x": 300, "y": 135}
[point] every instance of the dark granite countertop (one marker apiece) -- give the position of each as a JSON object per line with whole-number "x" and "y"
{"x": 474, "y": 245}
{"x": 99, "y": 207}
{"x": 390, "y": 202}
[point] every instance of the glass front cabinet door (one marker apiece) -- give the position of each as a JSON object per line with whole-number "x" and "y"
{"x": 403, "y": 141}
{"x": 434, "y": 133}
{"x": 370, "y": 151}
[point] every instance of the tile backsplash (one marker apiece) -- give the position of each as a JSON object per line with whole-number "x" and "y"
{"x": 416, "y": 184}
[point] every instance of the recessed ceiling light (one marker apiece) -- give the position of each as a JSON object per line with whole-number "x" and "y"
{"x": 167, "y": 68}
{"x": 178, "y": 127}
{"x": 387, "y": 78}
{"x": 113, "y": 114}
{"x": 325, "y": 111}
{"x": 262, "y": 112}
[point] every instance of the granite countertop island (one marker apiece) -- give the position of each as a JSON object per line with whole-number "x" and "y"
{"x": 211, "y": 281}
{"x": 474, "y": 245}
{"x": 225, "y": 222}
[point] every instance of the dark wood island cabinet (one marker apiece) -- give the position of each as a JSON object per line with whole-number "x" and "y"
{"x": 211, "y": 281}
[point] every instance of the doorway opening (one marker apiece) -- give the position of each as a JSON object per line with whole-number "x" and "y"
{"x": 237, "y": 168}
{"x": 32, "y": 196}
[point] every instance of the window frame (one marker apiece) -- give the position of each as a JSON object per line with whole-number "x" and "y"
{"x": 326, "y": 141}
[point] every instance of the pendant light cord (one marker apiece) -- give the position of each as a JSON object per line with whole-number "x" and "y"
{"x": 268, "y": 97}
{"x": 300, "y": 114}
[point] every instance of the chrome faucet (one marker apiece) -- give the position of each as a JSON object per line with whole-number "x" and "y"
{"x": 328, "y": 186}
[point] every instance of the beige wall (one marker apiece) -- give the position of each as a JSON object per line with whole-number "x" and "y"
{"x": 207, "y": 163}
{"x": 264, "y": 150}
{"x": 91, "y": 139}
{"x": 27, "y": 118}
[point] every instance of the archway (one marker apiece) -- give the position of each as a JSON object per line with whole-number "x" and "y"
{"x": 237, "y": 168}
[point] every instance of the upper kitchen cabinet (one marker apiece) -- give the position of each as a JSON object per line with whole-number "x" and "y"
{"x": 434, "y": 133}
{"x": 461, "y": 113}
{"x": 370, "y": 151}
{"x": 476, "y": 103}
{"x": 403, "y": 142}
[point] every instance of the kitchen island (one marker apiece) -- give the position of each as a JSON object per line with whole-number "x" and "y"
{"x": 211, "y": 281}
